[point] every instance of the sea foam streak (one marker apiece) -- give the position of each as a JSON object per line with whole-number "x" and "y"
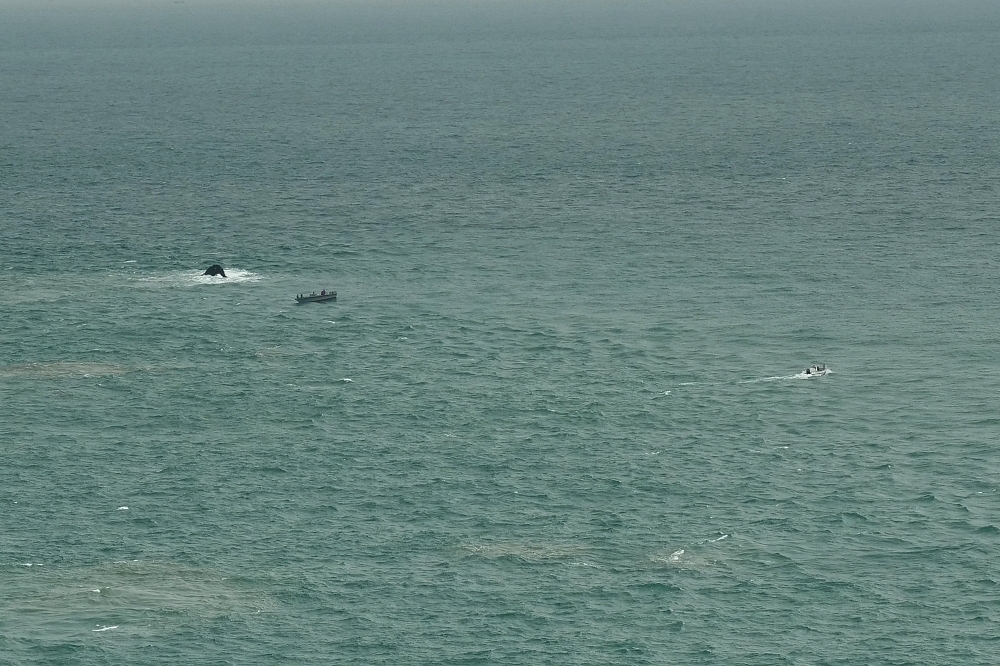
{"x": 58, "y": 369}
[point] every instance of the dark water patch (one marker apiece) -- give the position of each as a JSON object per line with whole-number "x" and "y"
{"x": 847, "y": 518}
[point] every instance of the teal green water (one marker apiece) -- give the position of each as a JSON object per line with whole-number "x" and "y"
{"x": 557, "y": 414}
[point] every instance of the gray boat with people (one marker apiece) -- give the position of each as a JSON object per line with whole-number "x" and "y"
{"x": 321, "y": 297}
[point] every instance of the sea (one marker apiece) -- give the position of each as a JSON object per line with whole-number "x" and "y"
{"x": 558, "y": 413}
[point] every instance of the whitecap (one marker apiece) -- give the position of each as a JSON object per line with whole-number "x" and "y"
{"x": 346, "y": 379}
{"x": 122, "y": 508}
{"x": 115, "y": 626}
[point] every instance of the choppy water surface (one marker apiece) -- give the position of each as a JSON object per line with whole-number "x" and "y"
{"x": 558, "y": 413}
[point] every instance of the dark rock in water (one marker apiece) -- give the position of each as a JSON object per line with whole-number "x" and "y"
{"x": 215, "y": 269}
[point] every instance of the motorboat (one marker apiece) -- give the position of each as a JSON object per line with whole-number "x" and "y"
{"x": 816, "y": 370}
{"x": 321, "y": 297}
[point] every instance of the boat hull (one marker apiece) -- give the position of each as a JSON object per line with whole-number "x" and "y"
{"x": 323, "y": 298}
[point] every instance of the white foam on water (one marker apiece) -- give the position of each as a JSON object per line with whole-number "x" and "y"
{"x": 122, "y": 508}
{"x": 345, "y": 380}
{"x": 195, "y": 278}
{"x": 778, "y": 378}
{"x": 673, "y": 558}
{"x": 115, "y": 626}
{"x": 767, "y": 379}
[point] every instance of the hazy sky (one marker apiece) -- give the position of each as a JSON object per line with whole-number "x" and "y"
{"x": 56, "y": 23}
{"x": 834, "y": 6}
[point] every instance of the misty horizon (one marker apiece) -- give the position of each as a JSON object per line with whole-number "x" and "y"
{"x": 82, "y": 23}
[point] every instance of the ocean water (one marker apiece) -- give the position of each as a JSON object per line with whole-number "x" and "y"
{"x": 558, "y": 413}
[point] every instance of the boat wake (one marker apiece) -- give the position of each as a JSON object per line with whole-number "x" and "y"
{"x": 767, "y": 379}
{"x": 810, "y": 374}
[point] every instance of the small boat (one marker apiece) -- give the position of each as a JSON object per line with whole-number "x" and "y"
{"x": 321, "y": 297}
{"x": 816, "y": 370}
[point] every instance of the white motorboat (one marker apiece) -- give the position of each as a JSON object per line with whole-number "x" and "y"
{"x": 815, "y": 370}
